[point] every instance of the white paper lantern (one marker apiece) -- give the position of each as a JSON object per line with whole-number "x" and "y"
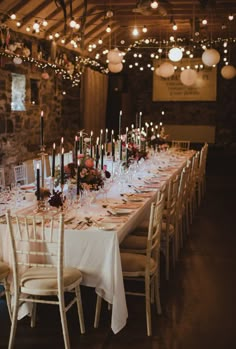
{"x": 166, "y": 70}
{"x": 210, "y": 57}
{"x": 228, "y": 72}
{"x": 157, "y": 71}
{"x": 175, "y": 54}
{"x": 17, "y": 60}
{"x": 188, "y": 77}
{"x": 115, "y": 68}
{"x": 114, "y": 56}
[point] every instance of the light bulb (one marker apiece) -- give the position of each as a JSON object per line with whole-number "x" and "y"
{"x": 100, "y": 41}
{"x": 36, "y": 25}
{"x": 72, "y": 23}
{"x": 144, "y": 29}
{"x": 204, "y": 21}
{"x": 154, "y": 4}
{"x": 174, "y": 26}
{"x": 135, "y": 32}
{"x": 44, "y": 23}
{"x": 108, "y": 30}
{"x": 231, "y": 17}
{"x": 13, "y": 16}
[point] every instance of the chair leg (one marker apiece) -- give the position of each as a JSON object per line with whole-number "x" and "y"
{"x": 64, "y": 321}
{"x": 98, "y": 311}
{"x": 14, "y": 321}
{"x": 80, "y": 309}
{"x": 157, "y": 294}
{"x": 8, "y": 297}
{"x": 148, "y": 306}
{"x": 33, "y": 315}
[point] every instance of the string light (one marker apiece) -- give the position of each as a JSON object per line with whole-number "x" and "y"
{"x": 108, "y": 29}
{"x": 154, "y": 4}
{"x": 204, "y": 21}
{"x": 144, "y": 29}
{"x": 231, "y": 17}
{"x": 135, "y": 31}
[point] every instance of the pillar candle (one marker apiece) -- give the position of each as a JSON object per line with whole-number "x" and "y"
{"x": 53, "y": 159}
{"x": 62, "y": 166}
{"x": 38, "y": 182}
{"x": 41, "y": 129}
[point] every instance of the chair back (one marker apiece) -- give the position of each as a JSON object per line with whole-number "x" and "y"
{"x": 29, "y": 171}
{"x": 154, "y": 231}
{"x": 20, "y": 174}
{"x": 180, "y": 145}
{"x": 172, "y": 199}
{"x": 2, "y": 177}
{"x": 183, "y": 188}
{"x": 36, "y": 241}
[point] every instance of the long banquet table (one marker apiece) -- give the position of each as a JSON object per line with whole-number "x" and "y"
{"x": 95, "y": 251}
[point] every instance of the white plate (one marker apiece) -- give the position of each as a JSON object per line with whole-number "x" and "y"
{"x": 106, "y": 226}
{"x": 122, "y": 211}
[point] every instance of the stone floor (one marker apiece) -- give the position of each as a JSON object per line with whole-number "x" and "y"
{"x": 198, "y": 304}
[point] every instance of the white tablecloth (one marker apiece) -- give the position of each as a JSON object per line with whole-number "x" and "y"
{"x": 96, "y": 252}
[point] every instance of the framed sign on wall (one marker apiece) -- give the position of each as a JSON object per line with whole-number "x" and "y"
{"x": 172, "y": 89}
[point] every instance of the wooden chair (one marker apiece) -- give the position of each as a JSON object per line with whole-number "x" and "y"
{"x": 2, "y": 177}
{"x": 37, "y": 245}
{"x": 144, "y": 267}
{"x": 180, "y": 145}
{"x": 201, "y": 175}
{"x": 29, "y": 171}
{"x": 20, "y": 174}
{"x": 4, "y": 272}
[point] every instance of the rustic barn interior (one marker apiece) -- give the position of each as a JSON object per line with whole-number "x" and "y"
{"x": 76, "y": 70}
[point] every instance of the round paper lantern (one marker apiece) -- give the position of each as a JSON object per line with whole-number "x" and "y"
{"x": 17, "y": 60}
{"x": 157, "y": 71}
{"x": 210, "y": 57}
{"x": 114, "y": 56}
{"x": 115, "y": 68}
{"x": 166, "y": 70}
{"x": 175, "y": 54}
{"x": 188, "y": 77}
{"x": 45, "y": 76}
{"x": 228, "y": 72}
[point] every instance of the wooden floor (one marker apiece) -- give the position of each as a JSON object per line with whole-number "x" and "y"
{"x": 198, "y": 302}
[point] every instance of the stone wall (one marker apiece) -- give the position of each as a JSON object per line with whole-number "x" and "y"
{"x": 20, "y": 130}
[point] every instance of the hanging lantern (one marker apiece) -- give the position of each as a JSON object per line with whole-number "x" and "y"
{"x": 115, "y": 68}
{"x": 114, "y": 56}
{"x": 175, "y": 54}
{"x": 157, "y": 71}
{"x": 228, "y": 72}
{"x": 17, "y": 60}
{"x": 166, "y": 70}
{"x": 210, "y": 57}
{"x": 188, "y": 77}
{"x": 45, "y": 76}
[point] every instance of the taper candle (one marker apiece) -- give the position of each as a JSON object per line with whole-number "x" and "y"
{"x": 91, "y": 144}
{"x": 38, "y": 182}
{"x": 53, "y": 159}
{"x": 97, "y": 152}
{"x": 102, "y": 156}
{"x": 81, "y": 142}
{"x": 78, "y": 177}
{"x": 41, "y": 129}
{"x": 62, "y": 166}
{"x": 75, "y": 149}
{"x": 120, "y": 121}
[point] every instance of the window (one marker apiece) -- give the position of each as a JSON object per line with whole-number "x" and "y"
{"x": 18, "y": 92}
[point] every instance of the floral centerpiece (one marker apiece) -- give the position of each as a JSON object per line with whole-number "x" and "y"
{"x": 89, "y": 176}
